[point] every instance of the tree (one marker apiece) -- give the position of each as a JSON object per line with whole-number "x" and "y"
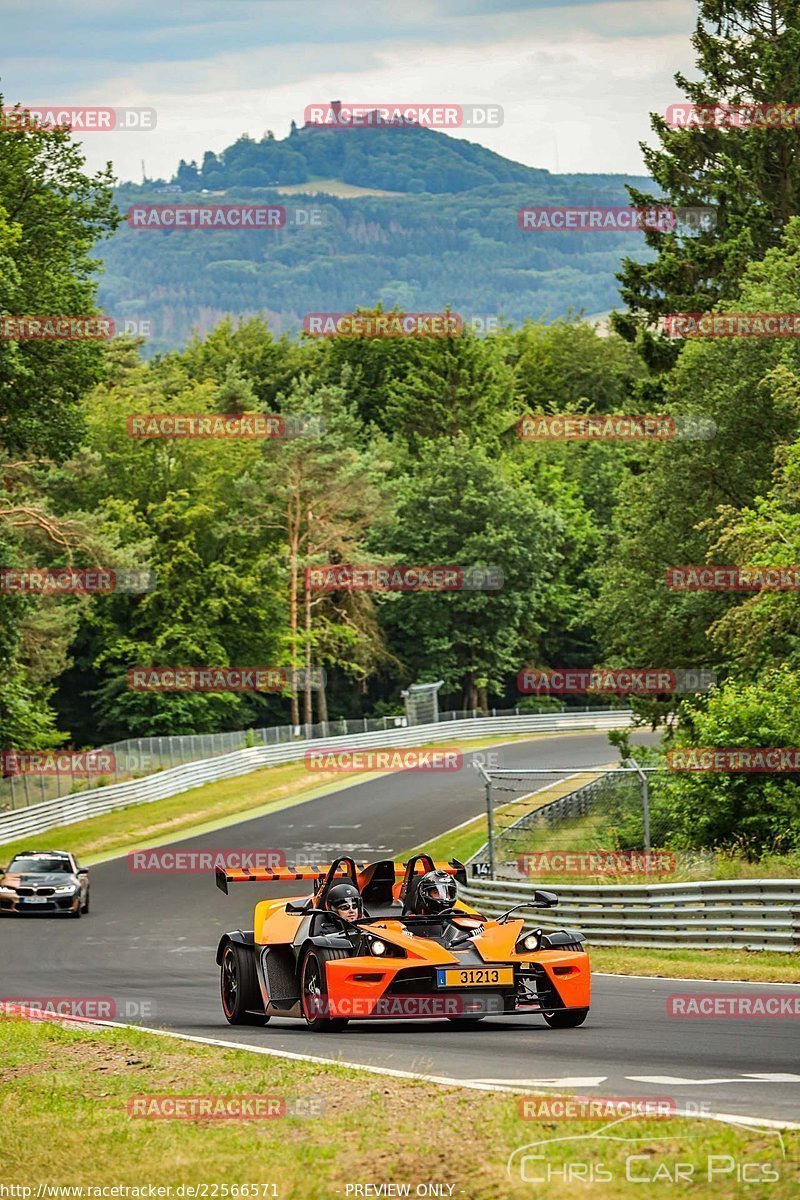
{"x": 748, "y": 52}
{"x": 454, "y": 386}
{"x": 457, "y": 505}
{"x": 756, "y": 813}
{"x": 665, "y": 517}
{"x": 320, "y": 491}
{"x": 51, "y": 216}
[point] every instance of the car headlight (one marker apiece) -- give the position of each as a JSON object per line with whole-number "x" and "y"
{"x": 7, "y": 891}
{"x": 377, "y": 947}
{"x": 529, "y": 943}
{"x": 66, "y": 889}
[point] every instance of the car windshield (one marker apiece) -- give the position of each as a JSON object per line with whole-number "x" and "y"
{"x": 40, "y": 866}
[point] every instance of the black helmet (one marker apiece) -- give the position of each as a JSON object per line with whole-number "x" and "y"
{"x": 345, "y": 896}
{"x": 436, "y": 892}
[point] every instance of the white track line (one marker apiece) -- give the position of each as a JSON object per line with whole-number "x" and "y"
{"x": 393, "y": 1072}
{"x": 751, "y": 983}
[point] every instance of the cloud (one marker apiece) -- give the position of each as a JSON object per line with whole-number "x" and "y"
{"x": 576, "y": 80}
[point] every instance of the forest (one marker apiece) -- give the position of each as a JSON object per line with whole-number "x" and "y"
{"x": 407, "y": 451}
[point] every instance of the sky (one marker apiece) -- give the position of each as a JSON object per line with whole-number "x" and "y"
{"x": 576, "y": 80}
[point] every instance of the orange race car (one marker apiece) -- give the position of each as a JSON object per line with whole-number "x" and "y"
{"x": 392, "y": 940}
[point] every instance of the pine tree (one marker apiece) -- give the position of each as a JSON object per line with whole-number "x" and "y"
{"x": 747, "y": 53}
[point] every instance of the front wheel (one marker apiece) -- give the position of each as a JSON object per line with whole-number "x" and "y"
{"x": 314, "y": 990}
{"x": 567, "y": 1018}
{"x": 85, "y": 908}
{"x": 239, "y": 987}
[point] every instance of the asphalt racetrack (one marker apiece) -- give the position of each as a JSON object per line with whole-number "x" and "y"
{"x": 150, "y": 940}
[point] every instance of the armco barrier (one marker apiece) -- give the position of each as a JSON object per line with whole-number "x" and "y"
{"x": 752, "y": 914}
{"x": 77, "y": 807}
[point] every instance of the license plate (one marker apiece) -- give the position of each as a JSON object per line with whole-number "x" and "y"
{"x": 475, "y": 977}
{"x": 34, "y": 900}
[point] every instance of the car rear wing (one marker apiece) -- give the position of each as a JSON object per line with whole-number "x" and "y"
{"x": 271, "y": 874}
{"x": 320, "y": 871}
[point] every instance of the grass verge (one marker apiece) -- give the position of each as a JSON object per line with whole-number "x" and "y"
{"x": 752, "y": 966}
{"x": 65, "y": 1110}
{"x": 465, "y": 840}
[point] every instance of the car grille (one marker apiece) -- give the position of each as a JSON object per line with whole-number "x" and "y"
{"x": 412, "y": 983}
{"x": 32, "y": 891}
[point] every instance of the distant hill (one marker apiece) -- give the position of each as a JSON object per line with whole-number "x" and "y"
{"x": 400, "y": 158}
{"x": 449, "y": 238}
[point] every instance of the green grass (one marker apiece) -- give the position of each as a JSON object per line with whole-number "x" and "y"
{"x": 64, "y": 1120}
{"x": 753, "y": 966}
{"x": 464, "y": 841}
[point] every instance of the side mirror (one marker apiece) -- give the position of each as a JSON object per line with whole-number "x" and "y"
{"x": 545, "y": 899}
{"x": 83, "y": 870}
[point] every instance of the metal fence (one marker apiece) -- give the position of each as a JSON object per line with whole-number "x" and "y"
{"x": 758, "y": 914}
{"x": 56, "y": 812}
{"x": 136, "y": 757}
{"x": 571, "y": 810}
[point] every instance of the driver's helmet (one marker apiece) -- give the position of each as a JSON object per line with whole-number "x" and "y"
{"x": 436, "y": 892}
{"x": 344, "y": 899}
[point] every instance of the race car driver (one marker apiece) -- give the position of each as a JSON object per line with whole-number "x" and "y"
{"x": 437, "y": 894}
{"x": 344, "y": 899}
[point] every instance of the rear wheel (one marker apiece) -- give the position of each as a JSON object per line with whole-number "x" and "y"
{"x": 314, "y": 990}
{"x": 567, "y": 1018}
{"x": 239, "y": 987}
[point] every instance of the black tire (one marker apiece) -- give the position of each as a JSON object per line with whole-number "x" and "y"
{"x": 85, "y": 908}
{"x": 238, "y": 987}
{"x": 314, "y": 989}
{"x": 566, "y": 1018}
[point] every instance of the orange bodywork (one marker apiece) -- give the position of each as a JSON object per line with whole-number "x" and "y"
{"x": 483, "y": 968}
{"x": 357, "y": 985}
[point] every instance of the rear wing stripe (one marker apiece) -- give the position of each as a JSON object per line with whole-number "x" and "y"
{"x": 289, "y": 874}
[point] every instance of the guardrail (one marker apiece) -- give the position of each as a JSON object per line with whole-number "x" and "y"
{"x": 752, "y": 914}
{"x": 78, "y": 806}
